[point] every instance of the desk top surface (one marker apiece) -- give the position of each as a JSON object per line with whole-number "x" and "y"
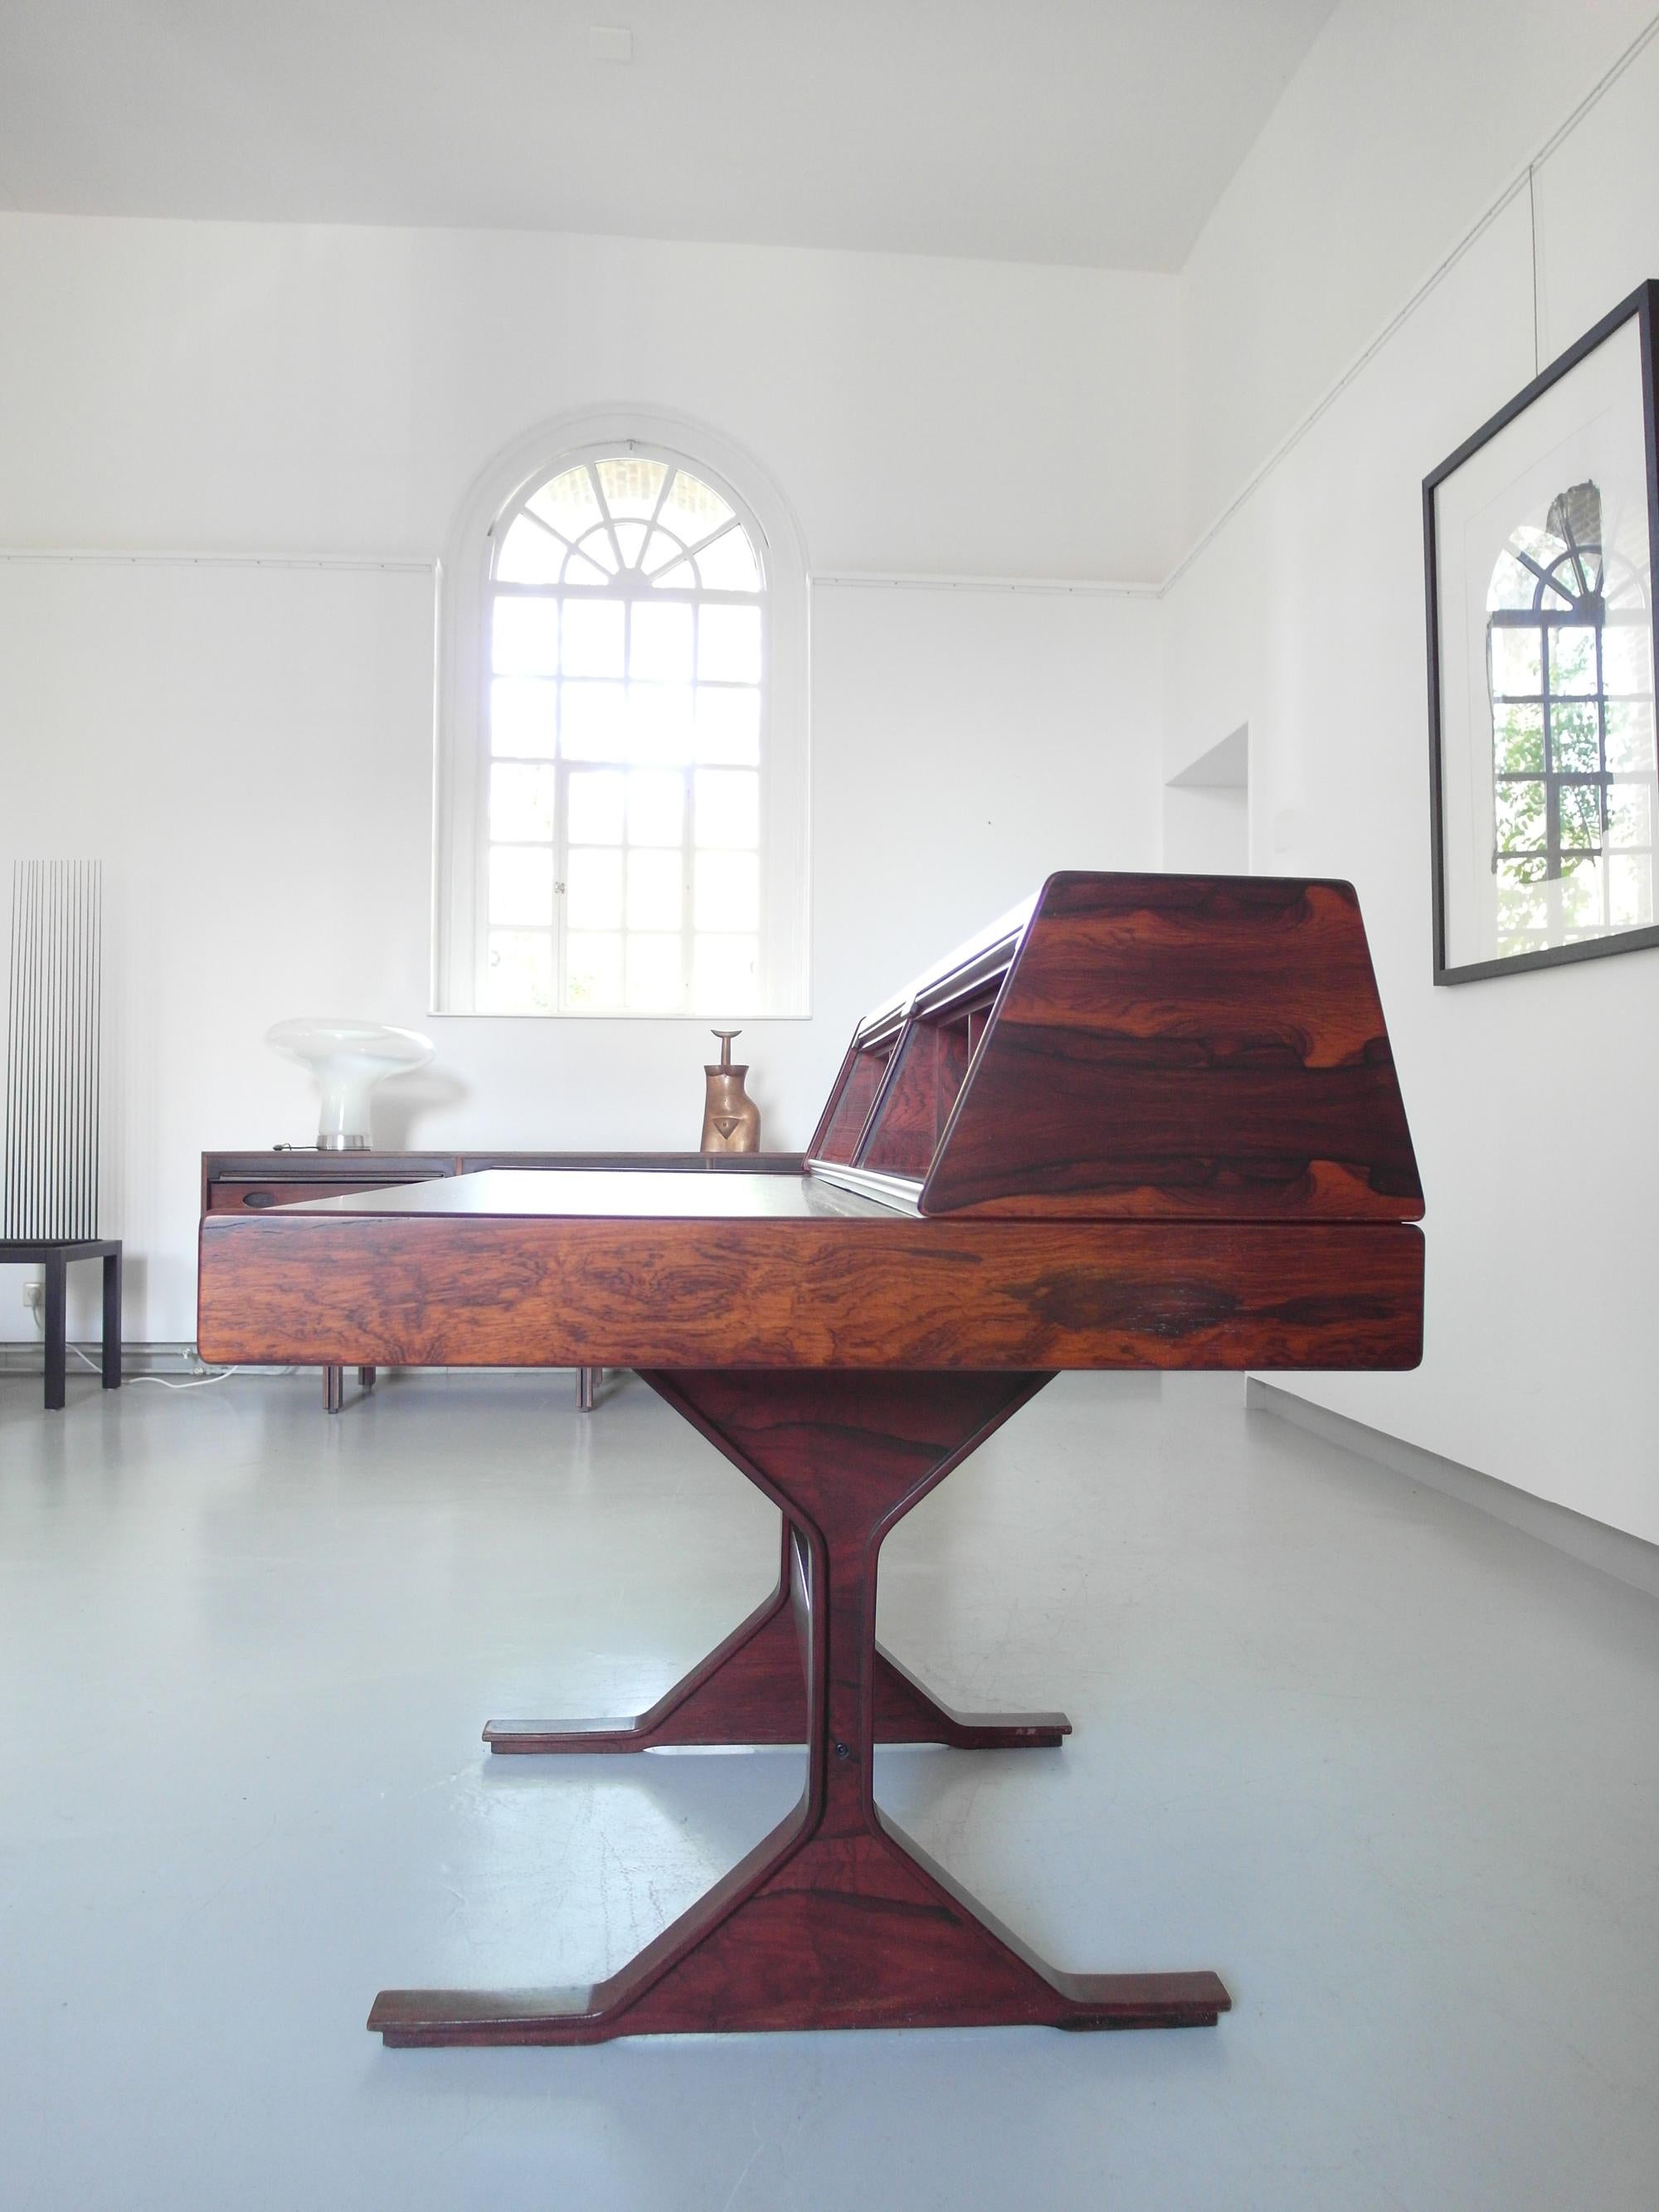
{"x": 542, "y": 1193}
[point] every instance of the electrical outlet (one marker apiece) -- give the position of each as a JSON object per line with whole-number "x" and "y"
{"x": 34, "y": 1294}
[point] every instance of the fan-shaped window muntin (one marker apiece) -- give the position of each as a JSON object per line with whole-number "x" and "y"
{"x": 626, "y": 712}
{"x": 1567, "y": 632}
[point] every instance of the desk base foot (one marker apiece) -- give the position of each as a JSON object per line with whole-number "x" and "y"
{"x": 783, "y": 1944}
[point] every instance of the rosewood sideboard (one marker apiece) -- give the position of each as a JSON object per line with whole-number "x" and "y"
{"x": 253, "y": 1182}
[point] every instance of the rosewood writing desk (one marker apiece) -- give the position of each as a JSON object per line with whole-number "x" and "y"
{"x": 1147, "y": 1121}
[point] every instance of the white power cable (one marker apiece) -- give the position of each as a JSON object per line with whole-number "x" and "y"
{"x": 199, "y": 1383}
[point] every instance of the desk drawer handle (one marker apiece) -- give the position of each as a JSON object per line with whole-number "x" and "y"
{"x": 259, "y": 1198}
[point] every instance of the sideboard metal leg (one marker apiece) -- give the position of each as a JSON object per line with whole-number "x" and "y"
{"x": 587, "y": 1381}
{"x": 333, "y": 1389}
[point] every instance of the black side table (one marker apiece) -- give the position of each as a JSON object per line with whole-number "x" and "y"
{"x": 54, "y": 1254}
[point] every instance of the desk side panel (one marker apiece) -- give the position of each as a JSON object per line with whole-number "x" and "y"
{"x": 393, "y": 1291}
{"x": 1169, "y": 1046}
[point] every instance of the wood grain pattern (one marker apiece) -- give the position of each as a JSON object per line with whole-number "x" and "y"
{"x": 836, "y": 1919}
{"x": 1182, "y": 1045}
{"x": 883, "y": 1292}
{"x": 854, "y": 1093}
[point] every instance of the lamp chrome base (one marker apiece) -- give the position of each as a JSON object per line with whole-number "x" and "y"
{"x": 328, "y": 1143}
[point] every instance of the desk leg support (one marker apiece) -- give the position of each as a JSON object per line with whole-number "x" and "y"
{"x": 835, "y": 1920}
{"x": 750, "y": 1689}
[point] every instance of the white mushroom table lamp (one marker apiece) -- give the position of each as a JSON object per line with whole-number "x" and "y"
{"x": 347, "y": 1059}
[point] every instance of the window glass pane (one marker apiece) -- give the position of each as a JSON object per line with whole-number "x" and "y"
{"x": 596, "y": 805}
{"x": 526, "y": 636}
{"x": 682, "y": 577}
{"x": 1629, "y": 735}
{"x": 727, "y": 892}
{"x": 729, "y": 644}
{"x": 519, "y": 972}
{"x": 1630, "y": 814}
{"x": 521, "y": 885}
{"x": 593, "y": 970}
{"x": 659, "y": 721}
{"x": 522, "y": 716}
{"x": 596, "y": 555}
{"x": 654, "y": 971}
{"x": 728, "y": 565}
{"x": 529, "y": 556}
{"x": 593, "y": 721}
{"x": 660, "y": 550}
{"x": 655, "y": 890}
{"x": 1520, "y": 818}
{"x": 728, "y": 724}
{"x": 1518, "y": 740}
{"x": 521, "y": 799}
{"x": 1523, "y": 914}
{"x": 1627, "y": 653}
{"x": 692, "y": 510}
{"x": 1512, "y": 585}
{"x": 630, "y": 543}
{"x": 656, "y": 807}
{"x": 1580, "y": 893}
{"x": 631, "y": 485}
{"x": 579, "y": 569}
{"x": 1515, "y": 661}
{"x": 593, "y": 887}
{"x": 568, "y": 504}
{"x": 661, "y": 648}
{"x": 727, "y": 974}
{"x": 727, "y": 806}
{"x": 1575, "y": 737}
{"x": 593, "y": 638}
{"x": 1572, "y": 658}
{"x": 1581, "y": 816}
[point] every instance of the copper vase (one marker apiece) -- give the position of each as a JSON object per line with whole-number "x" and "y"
{"x": 731, "y": 1118}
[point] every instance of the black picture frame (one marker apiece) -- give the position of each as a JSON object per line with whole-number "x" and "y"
{"x": 1641, "y": 305}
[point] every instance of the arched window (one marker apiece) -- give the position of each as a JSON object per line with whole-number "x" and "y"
{"x": 1567, "y": 632}
{"x": 625, "y": 810}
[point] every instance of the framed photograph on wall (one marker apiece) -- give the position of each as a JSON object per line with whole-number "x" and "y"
{"x": 1539, "y": 534}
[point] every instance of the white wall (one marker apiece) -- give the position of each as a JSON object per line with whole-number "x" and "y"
{"x": 1406, "y": 119}
{"x": 249, "y": 748}
{"x": 335, "y": 390}
{"x": 1532, "y": 1097}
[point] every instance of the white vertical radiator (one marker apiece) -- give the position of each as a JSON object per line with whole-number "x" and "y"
{"x": 49, "y": 1167}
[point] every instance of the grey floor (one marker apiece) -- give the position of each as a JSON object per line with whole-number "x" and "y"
{"x": 1387, "y": 1764}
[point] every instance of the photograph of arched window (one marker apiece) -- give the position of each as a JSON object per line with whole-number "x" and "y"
{"x": 1539, "y": 540}
{"x": 1572, "y": 719}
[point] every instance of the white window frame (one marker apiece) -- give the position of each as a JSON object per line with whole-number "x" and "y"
{"x": 461, "y": 770}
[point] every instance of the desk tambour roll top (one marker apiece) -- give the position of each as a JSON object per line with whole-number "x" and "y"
{"x": 1135, "y": 1047}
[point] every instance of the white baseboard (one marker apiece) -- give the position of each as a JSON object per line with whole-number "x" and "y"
{"x": 1628, "y": 1559}
{"x": 25, "y": 1358}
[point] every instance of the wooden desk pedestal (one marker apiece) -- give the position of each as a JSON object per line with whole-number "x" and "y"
{"x": 786, "y": 1940}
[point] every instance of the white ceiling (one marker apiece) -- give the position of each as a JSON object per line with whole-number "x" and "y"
{"x": 1090, "y": 131}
